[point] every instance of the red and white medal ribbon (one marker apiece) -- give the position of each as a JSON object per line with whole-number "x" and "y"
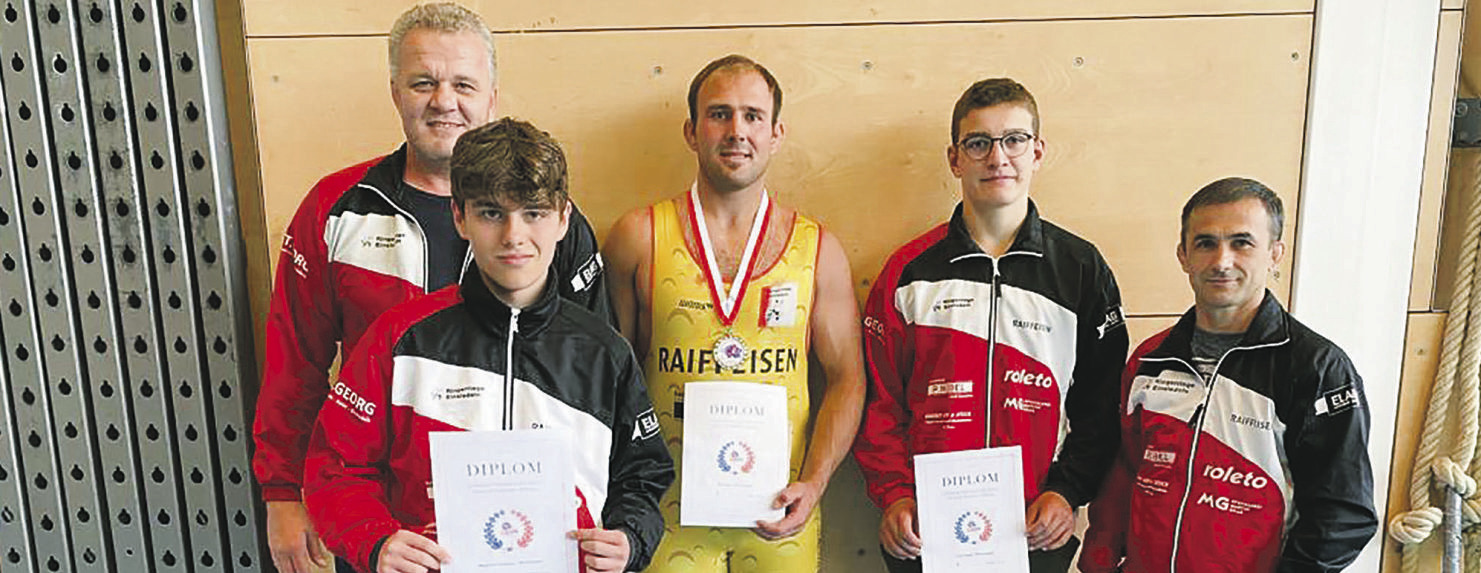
{"x": 730, "y": 350}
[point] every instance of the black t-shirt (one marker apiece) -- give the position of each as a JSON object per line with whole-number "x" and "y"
{"x": 446, "y": 250}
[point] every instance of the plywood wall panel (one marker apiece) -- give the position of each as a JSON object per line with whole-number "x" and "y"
{"x": 1436, "y": 161}
{"x": 1138, "y": 114}
{"x": 1421, "y": 358}
{"x": 350, "y": 17}
{"x": 1464, "y": 170}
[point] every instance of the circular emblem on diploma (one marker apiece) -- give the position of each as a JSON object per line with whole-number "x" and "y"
{"x": 972, "y": 527}
{"x": 736, "y": 458}
{"x": 508, "y": 530}
{"x": 730, "y": 351}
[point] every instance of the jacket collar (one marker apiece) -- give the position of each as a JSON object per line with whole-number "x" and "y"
{"x": 387, "y": 177}
{"x": 1030, "y": 237}
{"x": 493, "y": 314}
{"x": 1270, "y": 327}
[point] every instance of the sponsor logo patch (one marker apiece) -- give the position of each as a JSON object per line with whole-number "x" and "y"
{"x": 1337, "y": 401}
{"x": 1031, "y": 325}
{"x": 1025, "y": 405}
{"x": 1114, "y": 318}
{"x": 1232, "y": 476}
{"x": 1162, "y": 457}
{"x": 587, "y": 274}
{"x": 946, "y": 304}
{"x": 646, "y": 425}
{"x": 346, "y": 398}
{"x": 1227, "y": 504}
{"x": 1029, "y": 378}
{"x": 297, "y": 260}
{"x": 938, "y": 388}
{"x": 687, "y": 304}
{"x": 382, "y": 241}
{"x": 1251, "y": 421}
{"x": 780, "y": 302}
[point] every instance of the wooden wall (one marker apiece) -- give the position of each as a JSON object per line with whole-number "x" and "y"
{"x": 1143, "y": 101}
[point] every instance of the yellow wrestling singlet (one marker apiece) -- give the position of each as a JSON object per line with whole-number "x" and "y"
{"x": 772, "y": 321}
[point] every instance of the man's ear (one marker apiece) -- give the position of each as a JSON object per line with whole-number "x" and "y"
{"x": 689, "y": 137}
{"x": 1277, "y": 251}
{"x": 1182, "y": 256}
{"x": 778, "y": 135}
{"x": 566, "y": 218}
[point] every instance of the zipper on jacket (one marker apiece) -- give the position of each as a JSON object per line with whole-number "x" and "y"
{"x": 1196, "y": 422}
{"x": 509, "y": 370}
{"x": 995, "y": 294}
{"x": 426, "y": 256}
{"x": 992, "y": 347}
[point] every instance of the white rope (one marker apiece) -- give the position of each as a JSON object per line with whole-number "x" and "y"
{"x": 1455, "y": 399}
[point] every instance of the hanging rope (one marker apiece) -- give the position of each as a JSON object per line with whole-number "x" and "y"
{"x": 1455, "y": 400}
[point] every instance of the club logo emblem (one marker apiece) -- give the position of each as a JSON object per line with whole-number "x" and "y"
{"x": 508, "y": 530}
{"x": 736, "y": 458}
{"x": 973, "y": 527}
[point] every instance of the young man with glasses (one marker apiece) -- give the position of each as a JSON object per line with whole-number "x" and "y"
{"x": 993, "y": 329}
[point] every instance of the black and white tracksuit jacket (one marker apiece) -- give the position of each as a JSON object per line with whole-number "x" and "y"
{"x": 1262, "y": 467}
{"x": 460, "y": 359}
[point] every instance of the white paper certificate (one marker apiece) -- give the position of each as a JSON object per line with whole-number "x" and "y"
{"x": 971, "y": 510}
{"x": 504, "y": 501}
{"x": 736, "y": 453}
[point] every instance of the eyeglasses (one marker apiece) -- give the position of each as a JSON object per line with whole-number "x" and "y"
{"x": 978, "y": 147}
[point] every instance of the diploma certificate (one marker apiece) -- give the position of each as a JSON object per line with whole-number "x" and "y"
{"x": 971, "y": 510}
{"x": 504, "y": 501}
{"x": 736, "y": 453}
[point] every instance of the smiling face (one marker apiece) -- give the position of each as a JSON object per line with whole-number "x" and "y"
{"x": 513, "y": 245}
{"x": 1228, "y": 252}
{"x": 996, "y": 181}
{"x": 443, "y": 87}
{"x": 734, "y": 133}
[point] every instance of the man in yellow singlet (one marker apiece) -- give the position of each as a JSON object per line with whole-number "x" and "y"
{"x": 723, "y": 267}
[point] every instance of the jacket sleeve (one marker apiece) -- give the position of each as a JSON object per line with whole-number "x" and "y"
{"x": 346, "y": 479}
{"x": 302, "y": 333}
{"x": 1110, "y": 513}
{"x": 1090, "y": 406}
{"x": 640, "y": 470}
{"x": 580, "y": 268}
{"x": 881, "y": 447}
{"x": 1331, "y": 473}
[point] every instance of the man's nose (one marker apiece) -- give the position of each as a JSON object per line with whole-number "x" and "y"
{"x": 445, "y": 97}
{"x": 1225, "y": 257}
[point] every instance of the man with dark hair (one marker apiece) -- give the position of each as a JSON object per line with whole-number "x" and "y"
{"x": 752, "y": 288}
{"x": 500, "y": 351}
{"x": 374, "y": 235}
{"x": 996, "y": 328}
{"x": 1244, "y": 434}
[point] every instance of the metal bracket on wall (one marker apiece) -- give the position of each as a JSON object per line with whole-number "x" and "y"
{"x": 1467, "y": 129}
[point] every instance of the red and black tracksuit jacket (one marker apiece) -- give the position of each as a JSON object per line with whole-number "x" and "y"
{"x": 1263, "y": 467}
{"x": 956, "y": 340}
{"x": 459, "y": 359}
{"x": 352, "y": 251}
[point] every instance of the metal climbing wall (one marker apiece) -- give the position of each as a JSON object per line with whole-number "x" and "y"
{"x": 123, "y": 321}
